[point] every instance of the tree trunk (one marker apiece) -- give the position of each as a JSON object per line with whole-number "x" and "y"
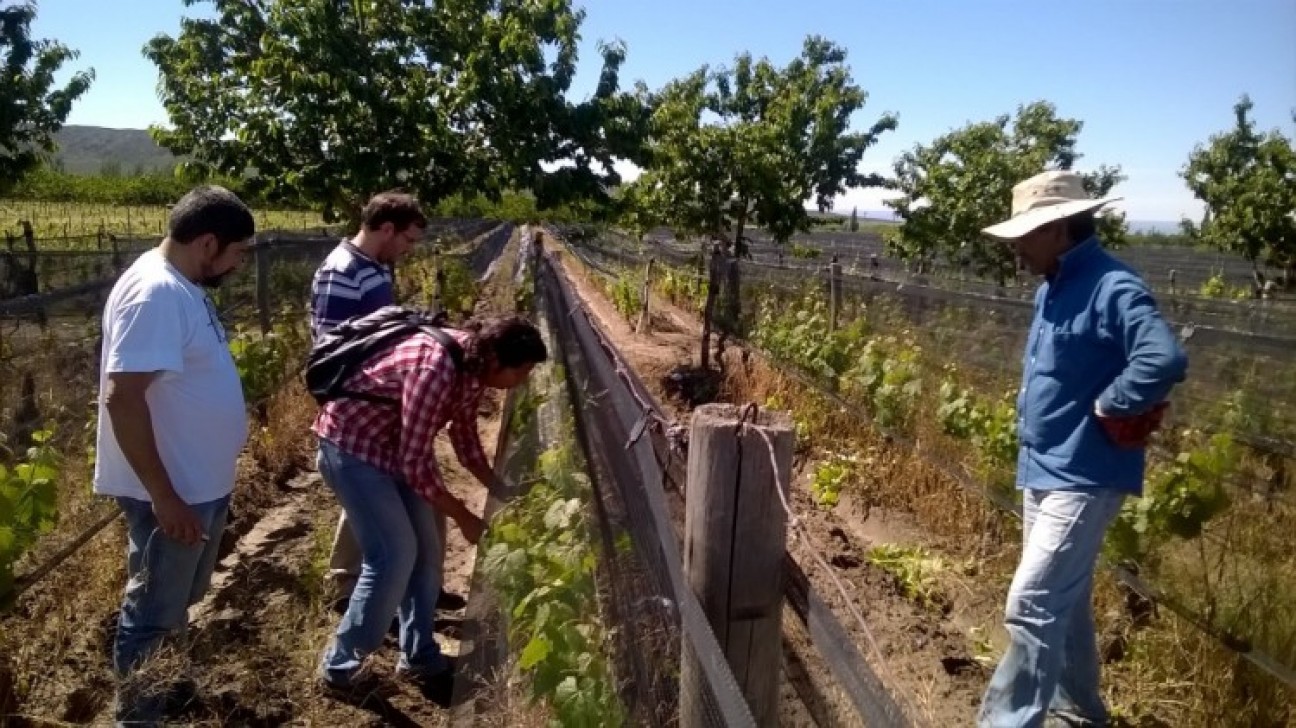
{"x": 733, "y": 295}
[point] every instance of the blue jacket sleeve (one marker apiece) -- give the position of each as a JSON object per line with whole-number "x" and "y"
{"x": 1154, "y": 359}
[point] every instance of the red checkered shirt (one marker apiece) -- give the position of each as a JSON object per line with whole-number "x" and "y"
{"x": 399, "y": 440}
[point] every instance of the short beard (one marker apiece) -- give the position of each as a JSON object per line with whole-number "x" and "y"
{"x": 212, "y": 281}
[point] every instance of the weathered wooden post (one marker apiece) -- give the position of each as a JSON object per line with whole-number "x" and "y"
{"x": 438, "y": 281}
{"x": 735, "y": 536}
{"x": 834, "y": 292}
{"x": 708, "y": 309}
{"x": 262, "y": 260}
{"x": 643, "y": 296}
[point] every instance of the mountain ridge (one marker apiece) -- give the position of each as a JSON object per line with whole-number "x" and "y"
{"x": 96, "y": 149}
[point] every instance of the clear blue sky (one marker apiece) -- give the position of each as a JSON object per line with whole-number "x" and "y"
{"x": 1150, "y": 78}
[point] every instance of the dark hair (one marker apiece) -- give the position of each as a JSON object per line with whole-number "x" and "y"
{"x": 210, "y": 210}
{"x": 509, "y": 341}
{"x": 398, "y": 208}
{"x": 1081, "y": 227}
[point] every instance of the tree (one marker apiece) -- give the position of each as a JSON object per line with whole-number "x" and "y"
{"x": 962, "y": 182}
{"x": 333, "y": 100}
{"x": 750, "y": 145}
{"x": 854, "y": 220}
{"x": 1248, "y": 182}
{"x": 32, "y": 108}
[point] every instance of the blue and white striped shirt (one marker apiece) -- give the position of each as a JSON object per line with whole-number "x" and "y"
{"x": 347, "y": 284}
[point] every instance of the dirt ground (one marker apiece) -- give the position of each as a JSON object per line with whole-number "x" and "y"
{"x": 924, "y": 653}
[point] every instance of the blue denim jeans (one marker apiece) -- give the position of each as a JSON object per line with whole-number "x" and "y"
{"x": 400, "y": 572}
{"x": 1051, "y": 664}
{"x": 164, "y": 578}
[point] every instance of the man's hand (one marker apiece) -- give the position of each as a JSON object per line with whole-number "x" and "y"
{"x": 1132, "y": 432}
{"x": 472, "y": 527}
{"x": 178, "y": 521}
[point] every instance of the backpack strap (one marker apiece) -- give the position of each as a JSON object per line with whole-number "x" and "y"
{"x": 448, "y": 343}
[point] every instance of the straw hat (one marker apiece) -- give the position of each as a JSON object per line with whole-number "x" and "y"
{"x": 1042, "y": 199}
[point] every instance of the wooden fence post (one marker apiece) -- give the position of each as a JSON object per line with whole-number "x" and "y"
{"x": 438, "y": 281}
{"x": 643, "y": 296}
{"x": 708, "y": 310}
{"x": 834, "y": 293}
{"x": 735, "y": 536}
{"x": 262, "y": 259}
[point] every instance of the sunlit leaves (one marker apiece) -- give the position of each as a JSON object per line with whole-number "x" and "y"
{"x": 32, "y": 107}
{"x": 962, "y": 182}
{"x": 751, "y": 144}
{"x": 1248, "y": 182}
{"x": 331, "y": 101}
{"x": 28, "y": 503}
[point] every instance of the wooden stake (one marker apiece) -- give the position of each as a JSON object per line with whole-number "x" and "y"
{"x": 643, "y": 297}
{"x": 708, "y": 310}
{"x": 735, "y": 537}
{"x": 834, "y": 293}
{"x": 438, "y": 283}
{"x": 262, "y": 261}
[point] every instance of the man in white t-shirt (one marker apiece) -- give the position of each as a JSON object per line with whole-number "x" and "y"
{"x": 172, "y": 422}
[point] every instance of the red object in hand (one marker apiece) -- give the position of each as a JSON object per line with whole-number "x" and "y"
{"x": 1133, "y": 432}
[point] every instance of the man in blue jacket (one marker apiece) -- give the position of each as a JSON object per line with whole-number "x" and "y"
{"x": 1100, "y": 362}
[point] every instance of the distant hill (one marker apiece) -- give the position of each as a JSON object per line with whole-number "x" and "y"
{"x": 1165, "y": 227}
{"x": 88, "y": 149}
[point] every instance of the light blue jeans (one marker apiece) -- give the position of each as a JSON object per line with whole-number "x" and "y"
{"x": 1051, "y": 664}
{"x": 164, "y": 578}
{"x": 400, "y": 574}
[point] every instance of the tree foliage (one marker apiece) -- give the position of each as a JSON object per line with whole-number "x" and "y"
{"x": 1248, "y": 182}
{"x": 32, "y": 107}
{"x": 333, "y": 100}
{"x": 962, "y": 182}
{"x": 752, "y": 143}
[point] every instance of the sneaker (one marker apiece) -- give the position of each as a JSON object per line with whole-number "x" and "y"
{"x": 450, "y": 602}
{"x": 138, "y": 711}
{"x": 435, "y": 687}
{"x": 362, "y": 685}
{"x": 1067, "y": 719}
{"x": 406, "y": 671}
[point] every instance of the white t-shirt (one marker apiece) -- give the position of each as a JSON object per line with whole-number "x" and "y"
{"x": 156, "y": 320}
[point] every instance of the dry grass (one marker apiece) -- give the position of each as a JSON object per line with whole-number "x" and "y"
{"x": 283, "y": 446}
{"x": 896, "y": 478}
{"x": 509, "y": 704}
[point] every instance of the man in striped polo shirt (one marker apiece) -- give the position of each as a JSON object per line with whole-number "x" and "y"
{"x": 356, "y": 280}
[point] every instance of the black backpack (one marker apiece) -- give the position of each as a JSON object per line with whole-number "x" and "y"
{"x": 337, "y": 353}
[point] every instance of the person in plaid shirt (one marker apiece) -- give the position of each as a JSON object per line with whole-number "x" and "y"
{"x": 378, "y": 458}
{"x": 355, "y": 280}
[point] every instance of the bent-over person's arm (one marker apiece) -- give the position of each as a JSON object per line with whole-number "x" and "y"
{"x": 468, "y": 449}
{"x": 427, "y": 390}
